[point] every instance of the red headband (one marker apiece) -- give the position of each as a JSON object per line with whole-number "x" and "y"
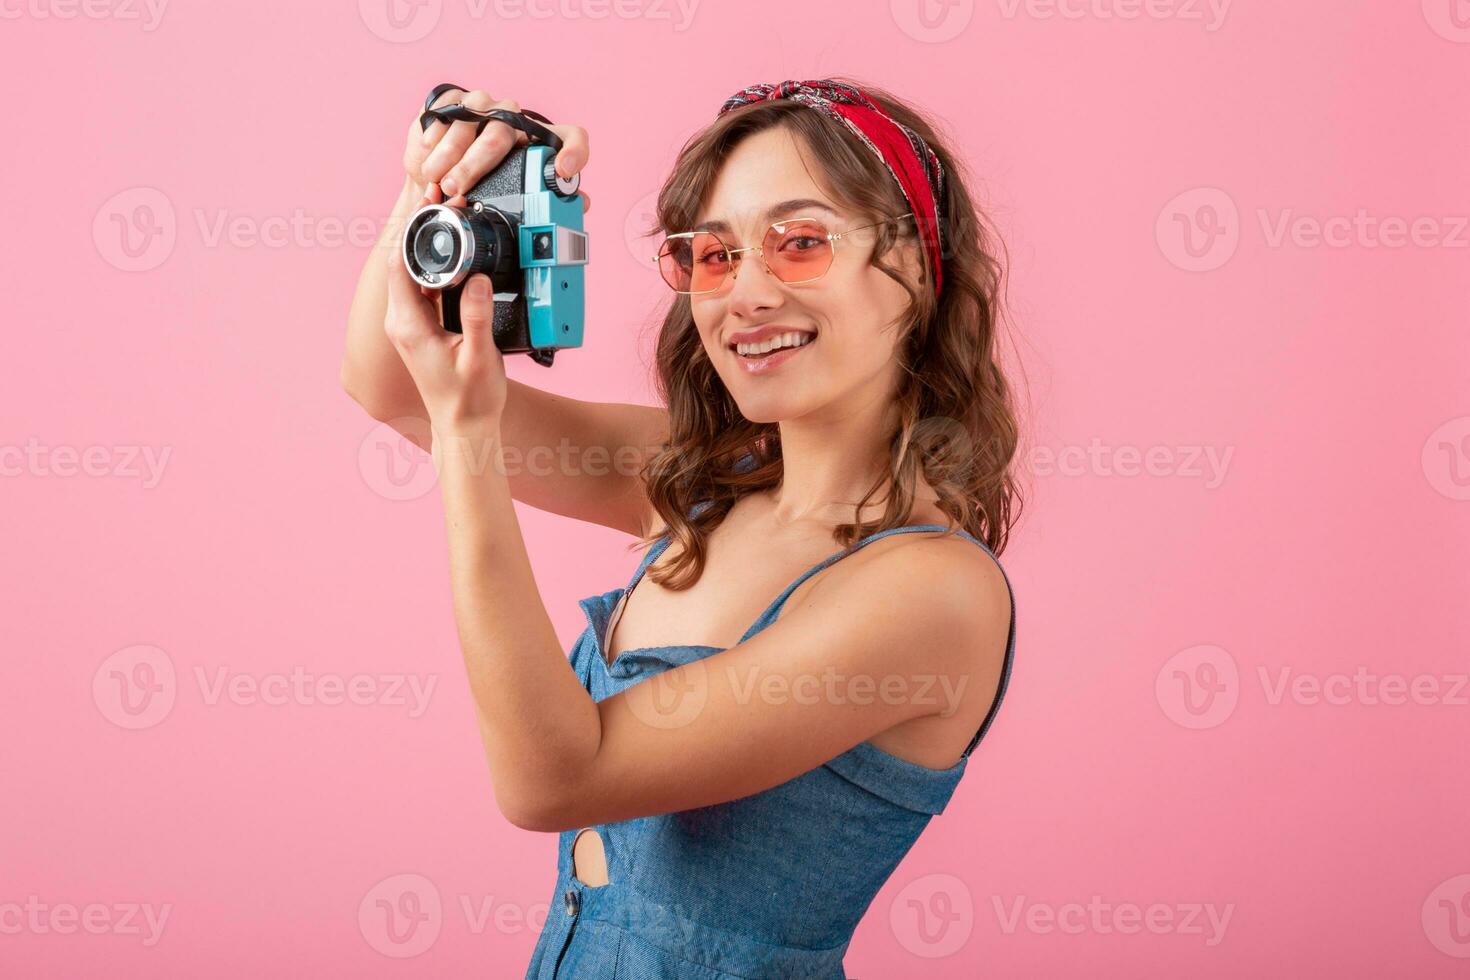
{"x": 908, "y": 158}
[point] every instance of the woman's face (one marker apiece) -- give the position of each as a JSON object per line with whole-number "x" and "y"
{"x": 849, "y": 315}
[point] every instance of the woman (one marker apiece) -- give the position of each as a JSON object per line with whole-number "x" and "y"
{"x": 828, "y": 369}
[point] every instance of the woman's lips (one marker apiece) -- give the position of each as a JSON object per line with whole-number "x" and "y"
{"x": 764, "y": 365}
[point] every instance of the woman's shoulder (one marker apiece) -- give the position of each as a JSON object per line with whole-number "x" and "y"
{"x": 955, "y": 564}
{"x": 947, "y": 579}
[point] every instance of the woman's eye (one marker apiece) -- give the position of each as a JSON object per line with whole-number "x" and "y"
{"x": 802, "y": 243}
{"x": 715, "y": 257}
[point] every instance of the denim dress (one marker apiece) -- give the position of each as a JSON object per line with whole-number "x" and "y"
{"x": 769, "y": 885}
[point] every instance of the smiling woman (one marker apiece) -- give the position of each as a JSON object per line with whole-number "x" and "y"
{"x": 829, "y": 377}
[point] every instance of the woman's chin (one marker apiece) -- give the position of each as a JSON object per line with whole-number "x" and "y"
{"x": 766, "y": 407}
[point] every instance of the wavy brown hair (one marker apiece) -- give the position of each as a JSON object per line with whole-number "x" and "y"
{"x": 955, "y": 422}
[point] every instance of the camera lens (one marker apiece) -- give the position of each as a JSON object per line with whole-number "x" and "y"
{"x": 438, "y": 245}
{"x": 443, "y": 246}
{"x": 435, "y": 248}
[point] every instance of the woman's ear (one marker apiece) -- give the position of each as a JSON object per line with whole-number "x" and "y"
{"x": 906, "y": 250}
{"x": 908, "y": 254}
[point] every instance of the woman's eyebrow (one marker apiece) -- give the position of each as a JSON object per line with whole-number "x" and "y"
{"x": 774, "y": 211}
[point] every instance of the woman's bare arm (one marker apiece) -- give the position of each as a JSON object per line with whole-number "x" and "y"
{"x": 372, "y": 372}
{"x": 564, "y": 455}
{"x": 923, "y": 620}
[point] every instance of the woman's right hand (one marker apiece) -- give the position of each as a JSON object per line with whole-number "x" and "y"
{"x": 445, "y": 161}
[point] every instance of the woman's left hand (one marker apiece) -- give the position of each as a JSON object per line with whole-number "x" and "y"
{"x": 461, "y": 377}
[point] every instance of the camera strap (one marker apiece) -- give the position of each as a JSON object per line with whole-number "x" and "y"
{"x": 527, "y": 121}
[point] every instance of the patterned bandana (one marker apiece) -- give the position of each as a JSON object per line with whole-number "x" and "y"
{"x": 908, "y": 158}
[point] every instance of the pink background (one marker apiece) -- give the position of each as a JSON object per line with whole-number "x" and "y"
{"x": 1328, "y": 381}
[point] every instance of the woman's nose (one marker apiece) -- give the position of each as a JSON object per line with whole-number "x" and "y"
{"x": 754, "y": 286}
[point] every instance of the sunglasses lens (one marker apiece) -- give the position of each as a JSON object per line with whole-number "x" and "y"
{"x": 693, "y": 264}
{"x": 798, "y": 251}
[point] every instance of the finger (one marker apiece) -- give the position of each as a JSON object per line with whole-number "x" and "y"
{"x": 421, "y": 141}
{"x": 572, "y": 156}
{"x": 397, "y": 275}
{"x": 452, "y": 146}
{"x": 484, "y": 154}
{"x": 429, "y": 137}
{"x": 430, "y": 196}
{"x": 426, "y": 197}
{"x": 410, "y": 317}
{"x": 477, "y": 317}
{"x": 586, "y": 201}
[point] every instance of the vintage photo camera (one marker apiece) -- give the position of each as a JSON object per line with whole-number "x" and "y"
{"x": 521, "y": 225}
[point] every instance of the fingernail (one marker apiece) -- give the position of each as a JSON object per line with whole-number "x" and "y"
{"x": 478, "y": 286}
{"x": 448, "y": 186}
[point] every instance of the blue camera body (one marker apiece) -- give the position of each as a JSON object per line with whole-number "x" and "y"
{"x": 522, "y": 226}
{"x": 553, "y": 253}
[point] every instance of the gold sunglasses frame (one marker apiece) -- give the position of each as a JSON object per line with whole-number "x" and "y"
{"x": 731, "y": 253}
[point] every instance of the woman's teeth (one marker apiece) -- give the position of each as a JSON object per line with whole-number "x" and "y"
{"x": 791, "y": 339}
